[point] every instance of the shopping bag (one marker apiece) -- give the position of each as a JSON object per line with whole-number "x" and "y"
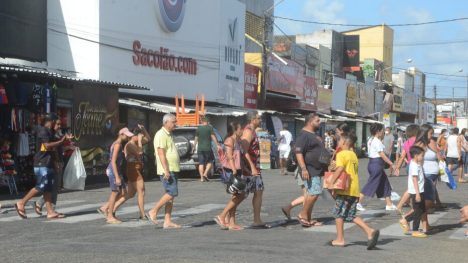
{"x": 341, "y": 183}
{"x": 443, "y": 175}
{"x": 74, "y": 176}
{"x": 451, "y": 181}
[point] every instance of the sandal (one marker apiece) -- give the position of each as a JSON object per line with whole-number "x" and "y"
{"x": 218, "y": 221}
{"x": 113, "y": 222}
{"x": 315, "y": 223}
{"x": 288, "y": 216}
{"x": 56, "y": 216}
{"x": 236, "y": 228}
{"x": 37, "y": 208}
{"x": 21, "y": 212}
{"x": 303, "y": 221}
{"x": 330, "y": 243}
{"x": 153, "y": 221}
{"x": 371, "y": 243}
{"x": 172, "y": 226}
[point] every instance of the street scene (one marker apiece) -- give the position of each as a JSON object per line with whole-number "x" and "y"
{"x": 233, "y": 131}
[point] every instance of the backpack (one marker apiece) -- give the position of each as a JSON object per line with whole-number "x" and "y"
{"x": 291, "y": 163}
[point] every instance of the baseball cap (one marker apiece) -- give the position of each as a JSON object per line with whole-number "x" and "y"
{"x": 126, "y": 131}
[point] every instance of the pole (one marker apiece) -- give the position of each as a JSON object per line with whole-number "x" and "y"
{"x": 453, "y": 105}
{"x": 266, "y": 26}
{"x": 435, "y": 104}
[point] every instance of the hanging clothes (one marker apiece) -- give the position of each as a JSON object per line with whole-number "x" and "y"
{"x": 23, "y": 144}
{"x": 37, "y": 98}
{"x": 3, "y": 95}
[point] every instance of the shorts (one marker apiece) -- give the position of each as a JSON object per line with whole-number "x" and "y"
{"x": 429, "y": 186}
{"x": 451, "y": 160}
{"x": 253, "y": 184}
{"x": 313, "y": 185}
{"x": 205, "y": 157}
{"x": 284, "y": 154}
{"x": 345, "y": 207}
{"x": 134, "y": 171}
{"x": 44, "y": 179}
{"x": 170, "y": 186}
{"x": 113, "y": 186}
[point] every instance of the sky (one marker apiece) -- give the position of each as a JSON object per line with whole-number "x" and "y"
{"x": 415, "y": 42}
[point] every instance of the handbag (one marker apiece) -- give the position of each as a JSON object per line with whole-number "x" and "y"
{"x": 341, "y": 183}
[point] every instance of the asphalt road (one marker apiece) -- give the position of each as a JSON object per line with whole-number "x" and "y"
{"x": 84, "y": 237}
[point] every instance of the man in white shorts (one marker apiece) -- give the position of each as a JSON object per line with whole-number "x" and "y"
{"x": 284, "y": 147}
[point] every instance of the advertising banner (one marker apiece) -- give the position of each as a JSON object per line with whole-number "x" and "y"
{"x": 410, "y": 102}
{"x": 250, "y": 86}
{"x": 365, "y": 102}
{"x": 397, "y": 99}
{"x": 339, "y": 93}
{"x": 310, "y": 94}
{"x": 351, "y": 96}
{"x": 324, "y": 100}
{"x": 95, "y": 123}
{"x": 351, "y": 53}
{"x": 368, "y": 68}
{"x": 285, "y": 78}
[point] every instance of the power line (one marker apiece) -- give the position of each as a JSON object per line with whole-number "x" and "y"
{"x": 371, "y": 25}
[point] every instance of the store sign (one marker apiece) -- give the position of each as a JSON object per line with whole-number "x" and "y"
{"x": 285, "y": 78}
{"x": 250, "y": 86}
{"x": 339, "y": 93}
{"x": 351, "y": 53}
{"x": 310, "y": 94}
{"x": 397, "y": 99}
{"x": 171, "y": 47}
{"x": 95, "y": 116}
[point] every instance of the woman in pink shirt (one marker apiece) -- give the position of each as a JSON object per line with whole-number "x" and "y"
{"x": 411, "y": 132}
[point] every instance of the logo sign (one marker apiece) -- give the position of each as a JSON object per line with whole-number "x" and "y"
{"x": 171, "y": 14}
{"x": 232, "y": 29}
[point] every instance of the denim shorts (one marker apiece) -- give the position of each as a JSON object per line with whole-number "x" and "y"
{"x": 113, "y": 186}
{"x": 44, "y": 179}
{"x": 170, "y": 186}
{"x": 313, "y": 185}
{"x": 429, "y": 186}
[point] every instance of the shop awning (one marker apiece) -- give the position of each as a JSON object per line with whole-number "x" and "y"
{"x": 156, "y": 106}
{"x": 224, "y": 111}
{"x": 63, "y": 76}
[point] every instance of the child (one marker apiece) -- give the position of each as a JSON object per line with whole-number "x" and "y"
{"x": 346, "y": 200}
{"x": 416, "y": 190}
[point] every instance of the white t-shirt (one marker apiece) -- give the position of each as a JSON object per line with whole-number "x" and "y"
{"x": 415, "y": 170}
{"x": 452, "y": 146}
{"x": 285, "y": 142}
{"x": 374, "y": 146}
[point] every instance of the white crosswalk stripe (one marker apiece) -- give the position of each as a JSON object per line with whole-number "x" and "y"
{"x": 459, "y": 234}
{"x": 395, "y": 229}
{"x": 329, "y": 226}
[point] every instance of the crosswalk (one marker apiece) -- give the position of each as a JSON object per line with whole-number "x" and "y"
{"x": 80, "y": 212}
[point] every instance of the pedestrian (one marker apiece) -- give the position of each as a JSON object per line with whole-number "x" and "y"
{"x": 44, "y": 168}
{"x": 464, "y": 218}
{"x": 464, "y": 148}
{"x": 114, "y": 173}
{"x": 442, "y": 141}
{"x": 284, "y": 147}
{"x": 168, "y": 167}
{"x": 411, "y": 133}
{"x": 329, "y": 142}
{"x": 342, "y": 128}
{"x": 251, "y": 172}
{"x": 309, "y": 146}
{"x": 58, "y": 162}
{"x": 400, "y": 142}
{"x": 378, "y": 183}
{"x": 416, "y": 190}
{"x": 347, "y": 200}
{"x": 232, "y": 166}
{"x": 133, "y": 152}
{"x": 388, "y": 141}
{"x": 203, "y": 138}
{"x": 454, "y": 154}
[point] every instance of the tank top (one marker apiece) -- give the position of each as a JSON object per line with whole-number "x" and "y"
{"x": 254, "y": 152}
{"x": 431, "y": 164}
{"x": 452, "y": 147}
{"x": 120, "y": 158}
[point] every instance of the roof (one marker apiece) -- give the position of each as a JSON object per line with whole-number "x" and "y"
{"x": 62, "y": 76}
{"x": 364, "y": 28}
{"x": 156, "y": 106}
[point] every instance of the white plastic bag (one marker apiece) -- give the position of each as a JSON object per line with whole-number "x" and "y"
{"x": 74, "y": 176}
{"x": 443, "y": 174}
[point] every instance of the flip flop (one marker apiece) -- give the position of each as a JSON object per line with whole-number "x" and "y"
{"x": 286, "y": 214}
{"x": 405, "y": 227}
{"x": 236, "y": 228}
{"x": 152, "y": 221}
{"x": 330, "y": 243}
{"x": 371, "y": 243}
{"x": 113, "y": 222}
{"x": 103, "y": 213}
{"x": 220, "y": 224}
{"x": 315, "y": 223}
{"x": 303, "y": 222}
{"x": 37, "y": 208}
{"x": 260, "y": 226}
{"x": 21, "y": 212}
{"x": 172, "y": 227}
{"x": 57, "y": 216}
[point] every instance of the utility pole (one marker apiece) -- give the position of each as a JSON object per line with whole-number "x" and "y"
{"x": 453, "y": 105}
{"x": 435, "y": 104}
{"x": 265, "y": 47}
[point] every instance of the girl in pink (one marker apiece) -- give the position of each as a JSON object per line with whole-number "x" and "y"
{"x": 411, "y": 132}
